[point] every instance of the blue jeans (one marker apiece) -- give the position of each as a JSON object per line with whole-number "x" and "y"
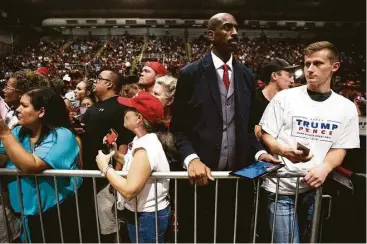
{"x": 146, "y": 225}
{"x": 285, "y": 214}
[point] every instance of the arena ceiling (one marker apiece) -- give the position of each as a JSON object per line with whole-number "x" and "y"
{"x": 324, "y": 10}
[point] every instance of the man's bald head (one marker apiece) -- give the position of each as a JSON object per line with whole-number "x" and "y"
{"x": 115, "y": 79}
{"x": 217, "y": 19}
{"x": 112, "y": 75}
{"x": 222, "y": 33}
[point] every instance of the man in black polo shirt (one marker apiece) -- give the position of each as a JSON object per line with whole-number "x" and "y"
{"x": 107, "y": 113}
{"x": 278, "y": 75}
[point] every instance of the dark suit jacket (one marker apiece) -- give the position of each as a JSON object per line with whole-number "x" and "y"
{"x": 197, "y": 113}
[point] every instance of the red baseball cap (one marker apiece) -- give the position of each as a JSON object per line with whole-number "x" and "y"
{"x": 145, "y": 103}
{"x": 158, "y": 68}
{"x": 43, "y": 70}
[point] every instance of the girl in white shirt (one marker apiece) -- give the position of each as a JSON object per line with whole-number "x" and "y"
{"x": 145, "y": 155}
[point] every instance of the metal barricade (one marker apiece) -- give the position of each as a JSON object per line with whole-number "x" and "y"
{"x": 316, "y": 217}
{"x": 155, "y": 178}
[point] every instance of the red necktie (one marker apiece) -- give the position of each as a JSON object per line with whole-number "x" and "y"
{"x": 225, "y": 76}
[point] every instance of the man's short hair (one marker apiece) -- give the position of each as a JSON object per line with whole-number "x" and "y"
{"x": 333, "y": 54}
{"x": 27, "y": 80}
{"x": 117, "y": 81}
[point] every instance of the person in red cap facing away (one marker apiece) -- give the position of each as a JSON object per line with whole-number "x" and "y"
{"x": 150, "y": 72}
{"x": 43, "y": 71}
{"x": 145, "y": 155}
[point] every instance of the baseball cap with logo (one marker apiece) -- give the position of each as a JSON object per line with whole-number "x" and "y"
{"x": 146, "y": 104}
{"x": 276, "y": 65}
{"x": 158, "y": 68}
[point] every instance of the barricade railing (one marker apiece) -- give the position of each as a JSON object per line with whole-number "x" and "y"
{"x": 157, "y": 176}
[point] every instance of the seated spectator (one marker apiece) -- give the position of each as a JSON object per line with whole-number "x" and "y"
{"x": 43, "y": 140}
{"x": 144, "y": 156}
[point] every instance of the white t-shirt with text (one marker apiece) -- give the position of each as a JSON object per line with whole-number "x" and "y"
{"x": 292, "y": 116}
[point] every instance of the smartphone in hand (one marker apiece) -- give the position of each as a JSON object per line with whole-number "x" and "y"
{"x": 303, "y": 148}
{"x": 111, "y": 136}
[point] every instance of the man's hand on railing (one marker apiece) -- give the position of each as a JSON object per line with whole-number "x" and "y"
{"x": 199, "y": 173}
{"x": 294, "y": 155}
{"x": 317, "y": 175}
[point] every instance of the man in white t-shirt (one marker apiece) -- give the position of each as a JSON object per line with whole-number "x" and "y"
{"x": 321, "y": 120}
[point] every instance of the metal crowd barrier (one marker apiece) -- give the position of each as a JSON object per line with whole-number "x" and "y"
{"x": 155, "y": 176}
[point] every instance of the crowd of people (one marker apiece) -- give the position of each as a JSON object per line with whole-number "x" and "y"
{"x": 254, "y": 53}
{"x": 118, "y": 54}
{"x": 74, "y": 105}
{"x": 40, "y": 117}
{"x": 171, "y": 47}
{"x": 169, "y": 50}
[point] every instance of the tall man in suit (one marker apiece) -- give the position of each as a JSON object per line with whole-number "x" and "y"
{"x": 210, "y": 120}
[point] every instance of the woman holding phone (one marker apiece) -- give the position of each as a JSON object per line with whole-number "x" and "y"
{"x": 43, "y": 140}
{"x": 145, "y": 155}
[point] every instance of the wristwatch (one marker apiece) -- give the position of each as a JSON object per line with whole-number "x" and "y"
{"x": 105, "y": 169}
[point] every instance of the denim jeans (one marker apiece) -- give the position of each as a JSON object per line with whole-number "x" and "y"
{"x": 146, "y": 225}
{"x": 285, "y": 213}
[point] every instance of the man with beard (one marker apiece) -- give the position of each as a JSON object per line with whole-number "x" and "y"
{"x": 210, "y": 123}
